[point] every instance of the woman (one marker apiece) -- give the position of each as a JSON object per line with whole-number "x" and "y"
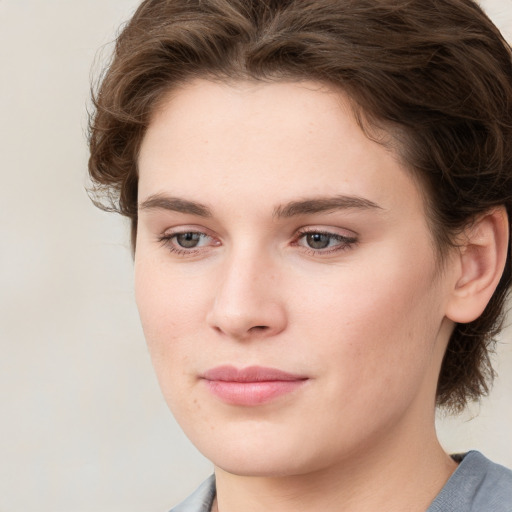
{"x": 319, "y": 194}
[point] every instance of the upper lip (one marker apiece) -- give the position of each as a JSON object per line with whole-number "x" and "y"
{"x": 249, "y": 374}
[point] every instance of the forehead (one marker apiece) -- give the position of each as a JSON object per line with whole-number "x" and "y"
{"x": 276, "y": 141}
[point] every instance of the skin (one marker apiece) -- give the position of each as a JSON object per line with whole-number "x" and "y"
{"x": 364, "y": 320}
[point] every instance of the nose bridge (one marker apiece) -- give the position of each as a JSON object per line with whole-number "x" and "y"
{"x": 247, "y": 300}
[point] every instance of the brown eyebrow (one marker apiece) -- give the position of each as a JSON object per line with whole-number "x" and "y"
{"x": 302, "y": 207}
{"x": 323, "y": 205}
{"x": 175, "y": 204}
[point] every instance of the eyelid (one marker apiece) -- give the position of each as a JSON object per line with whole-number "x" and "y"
{"x": 187, "y": 228}
{"x": 328, "y": 230}
{"x": 345, "y": 234}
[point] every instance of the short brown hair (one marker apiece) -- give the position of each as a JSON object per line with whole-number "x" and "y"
{"x": 436, "y": 74}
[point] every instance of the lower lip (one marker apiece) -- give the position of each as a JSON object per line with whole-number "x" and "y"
{"x": 252, "y": 393}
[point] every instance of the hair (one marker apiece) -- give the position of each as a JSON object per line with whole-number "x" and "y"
{"x": 435, "y": 75}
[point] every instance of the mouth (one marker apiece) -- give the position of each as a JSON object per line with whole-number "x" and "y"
{"x": 251, "y": 386}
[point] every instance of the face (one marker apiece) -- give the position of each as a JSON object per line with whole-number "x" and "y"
{"x": 286, "y": 278}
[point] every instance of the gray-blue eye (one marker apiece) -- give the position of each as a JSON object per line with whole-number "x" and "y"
{"x": 325, "y": 242}
{"x": 319, "y": 240}
{"x": 188, "y": 240}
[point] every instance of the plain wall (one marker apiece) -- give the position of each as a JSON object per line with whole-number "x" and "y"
{"x": 83, "y": 425}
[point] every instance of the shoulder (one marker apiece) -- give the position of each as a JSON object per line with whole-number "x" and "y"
{"x": 478, "y": 484}
{"x": 200, "y": 500}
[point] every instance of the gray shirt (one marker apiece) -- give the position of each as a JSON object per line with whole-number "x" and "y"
{"x": 477, "y": 485}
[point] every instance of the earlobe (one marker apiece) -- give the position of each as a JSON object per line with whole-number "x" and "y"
{"x": 481, "y": 260}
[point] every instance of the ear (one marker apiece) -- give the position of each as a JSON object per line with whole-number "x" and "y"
{"x": 480, "y": 263}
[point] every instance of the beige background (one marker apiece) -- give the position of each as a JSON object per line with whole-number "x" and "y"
{"x": 83, "y": 426}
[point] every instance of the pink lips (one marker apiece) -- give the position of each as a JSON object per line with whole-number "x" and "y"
{"x": 250, "y": 386}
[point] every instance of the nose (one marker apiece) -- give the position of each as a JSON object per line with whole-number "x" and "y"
{"x": 247, "y": 301}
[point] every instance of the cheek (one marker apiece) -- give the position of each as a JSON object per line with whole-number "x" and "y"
{"x": 376, "y": 332}
{"x": 169, "y": 311}
{"x": 169, "y": 308}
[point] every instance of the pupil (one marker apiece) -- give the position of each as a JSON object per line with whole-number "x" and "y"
{"x": 318, "y": 240}
{"x": 188, "y": 240}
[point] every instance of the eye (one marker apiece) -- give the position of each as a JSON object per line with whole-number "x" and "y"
{"x": 318, "y": 240}
{"x": 187, "y": 242}
{"x": 324, "y": 242}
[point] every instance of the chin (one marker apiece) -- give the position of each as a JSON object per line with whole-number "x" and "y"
{"x": 268, "y": 466}
{"x": 268, "y": 455}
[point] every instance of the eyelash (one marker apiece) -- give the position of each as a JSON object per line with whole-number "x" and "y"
{"x": 345, "y": 242}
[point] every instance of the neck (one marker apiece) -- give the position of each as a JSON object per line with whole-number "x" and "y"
{"x": 404, "y": 475}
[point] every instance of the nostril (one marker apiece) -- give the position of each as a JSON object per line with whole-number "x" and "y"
{"x": 259, "y": 328}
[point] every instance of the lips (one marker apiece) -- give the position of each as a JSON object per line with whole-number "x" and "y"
{"x": 251, "y": 386}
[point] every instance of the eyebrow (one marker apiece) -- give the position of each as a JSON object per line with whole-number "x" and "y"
{"x": 324, "y": 205}
{"x": 294, "y": 208}
{"x": 175, "y": 204}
